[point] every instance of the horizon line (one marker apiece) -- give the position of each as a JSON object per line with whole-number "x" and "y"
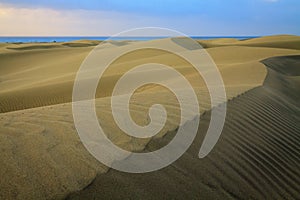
{"x": 145, "y": 36}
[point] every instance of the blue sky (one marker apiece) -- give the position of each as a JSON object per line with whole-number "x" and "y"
{"x": 106, "y": 17}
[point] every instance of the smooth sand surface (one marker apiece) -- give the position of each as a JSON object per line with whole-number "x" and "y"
{"x": 257, "y": 156}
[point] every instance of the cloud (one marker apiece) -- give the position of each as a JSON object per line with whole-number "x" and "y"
{"x": 19, "y": 21}
{"x": 107, "y": 17}
{"x": 47, "y": 22}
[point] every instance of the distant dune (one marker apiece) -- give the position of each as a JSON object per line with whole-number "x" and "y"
{"x": 277, "y": 41}
{"x": 257, "y": 156}
{"x": 35, "y": 75}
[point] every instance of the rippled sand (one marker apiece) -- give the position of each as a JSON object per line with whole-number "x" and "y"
{"x": 257, "y": 155}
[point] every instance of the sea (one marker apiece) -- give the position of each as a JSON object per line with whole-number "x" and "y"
{"x": 11, "y": 39}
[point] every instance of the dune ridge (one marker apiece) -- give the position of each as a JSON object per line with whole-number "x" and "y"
{"x": 283, "y": 77}
{"x": 257, "y": 157}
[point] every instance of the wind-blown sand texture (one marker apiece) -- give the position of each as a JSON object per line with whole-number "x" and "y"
{"x": 256, "y": 157}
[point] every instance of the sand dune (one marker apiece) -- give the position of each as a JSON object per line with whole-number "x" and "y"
{"x": 278, "y": 41}
{"x": 40, "y": 77}
{"x": 256, "y": 157}
{"x": 41, "y": 46}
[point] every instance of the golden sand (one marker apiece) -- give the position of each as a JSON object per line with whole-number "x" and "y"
{"x": 43, "y": 158}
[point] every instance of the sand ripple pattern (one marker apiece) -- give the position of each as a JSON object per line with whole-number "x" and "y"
{"x": 257, "y": 156}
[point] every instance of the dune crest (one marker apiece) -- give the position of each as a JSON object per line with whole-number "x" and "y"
{"x": 284, "y": 77}
{"x": 257, "y": 156}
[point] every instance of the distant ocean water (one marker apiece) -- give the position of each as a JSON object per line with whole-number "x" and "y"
{"x": 71, "y": 38}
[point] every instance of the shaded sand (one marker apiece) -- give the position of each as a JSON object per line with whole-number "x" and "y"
{"x": 257, "y": 156}
{"x": 283, "y": 77}
{"x": 43, "y": 157}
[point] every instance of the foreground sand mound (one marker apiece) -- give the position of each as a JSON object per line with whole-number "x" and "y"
{"x": 257, "y": 156}
{"x": 43, "y": 157}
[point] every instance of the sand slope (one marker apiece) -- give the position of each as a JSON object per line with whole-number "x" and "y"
{"x": 35, "y": 75}
{"x": 257, "y": 156}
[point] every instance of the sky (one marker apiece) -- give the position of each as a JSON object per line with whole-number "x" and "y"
{"x": 108, "y": 17}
